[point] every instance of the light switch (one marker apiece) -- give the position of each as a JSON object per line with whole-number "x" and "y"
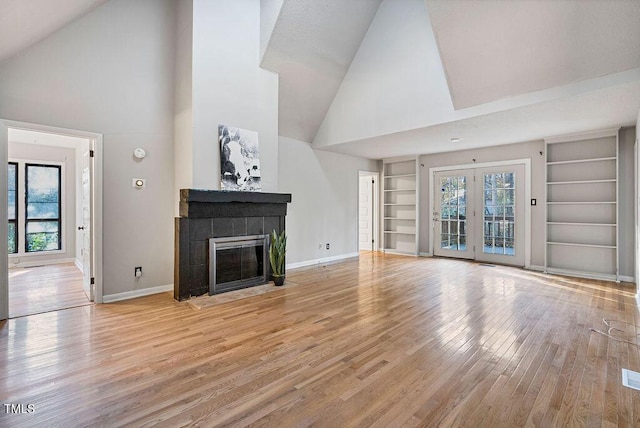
{"x": 534, "y": 202}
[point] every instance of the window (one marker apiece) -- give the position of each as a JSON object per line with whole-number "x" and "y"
{"x": 43, "y": 207}
{"x": 12, "y": 214}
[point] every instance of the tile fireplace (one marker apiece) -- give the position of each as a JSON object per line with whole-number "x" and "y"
{"x": 237, "y": 224}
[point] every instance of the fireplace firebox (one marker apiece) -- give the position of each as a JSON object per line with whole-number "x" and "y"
{"x": 237, "y": 262}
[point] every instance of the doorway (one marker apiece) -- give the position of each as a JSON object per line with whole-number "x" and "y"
{"x": 479, "y": 213}
{"x": 54, "y": 257}
{"x": 368, "y": 217}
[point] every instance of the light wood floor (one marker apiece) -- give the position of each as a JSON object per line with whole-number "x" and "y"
{"x": 45, "y": 288}
{"x": 383, "y": 341}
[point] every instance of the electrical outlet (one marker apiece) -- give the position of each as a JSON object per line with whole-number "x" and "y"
{"x": 328, "y": 245}
{"x": 137, "y": 272}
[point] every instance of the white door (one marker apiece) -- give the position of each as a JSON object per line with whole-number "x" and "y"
{"x": 479, "y": 214}
{"x": 452, "y": 214}
{"x": 85, "y": 228}
{"x": 365, "y": 213}
{"x": 500, "y": 234}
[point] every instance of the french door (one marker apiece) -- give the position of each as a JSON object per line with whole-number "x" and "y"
{"x": 479, "y": 214}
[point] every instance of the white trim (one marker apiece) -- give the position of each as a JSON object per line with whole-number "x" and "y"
{"x": 322, "y": 260}
{"x": 78, "y": 264}
{"x": 624, "y": 278}
{"x": 425, "y": 254}
{"x": 35, "y": 263}
{"x": 97, "y": 187}
{"x": 536, "y": 268}
{"x": 581, "y": 274}
{"x": 400, "y": 253}
{"x": 399, "y": 159}
{"x": 587, "y": 135}
{"x": 137, "y": 293}
{"x": 527, "y": 197}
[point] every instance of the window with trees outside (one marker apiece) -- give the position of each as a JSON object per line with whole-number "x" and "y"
{"x": 43, "y": 207}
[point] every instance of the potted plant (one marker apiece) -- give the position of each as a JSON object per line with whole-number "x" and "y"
{"x": 277, "y": 250}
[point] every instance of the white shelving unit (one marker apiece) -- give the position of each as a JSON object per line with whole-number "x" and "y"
{"x": 400, "y": 216}
{"x": 582, "y": 205}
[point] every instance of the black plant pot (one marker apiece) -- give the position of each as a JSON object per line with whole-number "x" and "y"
{"x": 278, "y": 280}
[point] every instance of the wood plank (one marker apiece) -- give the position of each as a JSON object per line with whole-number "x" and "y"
{"x": 385, "y": 340}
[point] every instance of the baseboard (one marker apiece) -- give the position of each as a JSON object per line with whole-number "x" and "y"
{"x": 536, "y": 268}
{"x": 323, "y": 260}
{"x": 78, "y": 265}
{"x": 624, "y": 278}
{"x": 425, "y": 254}
{"x": 34, "y": 263}
{"x": 136, "y": 293}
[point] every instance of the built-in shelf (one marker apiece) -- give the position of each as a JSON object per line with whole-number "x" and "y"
{"x": 582, "y": 205}
{"x": 565, "y": 162}
{"x": 400, "y": 208}
{"x": 564, "y": 223}
{"x": 399, "y": 218}
{"x": 612, "y": 180}
{"x": 573, "y": 244}
{"x": 399, "y": 175}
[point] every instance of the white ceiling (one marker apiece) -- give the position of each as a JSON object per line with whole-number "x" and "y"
{"x": 26, "y": 22}
{"x": 494, "y": 49}
{"x": 599, "y": 109}
{"x": 311, "y": 47}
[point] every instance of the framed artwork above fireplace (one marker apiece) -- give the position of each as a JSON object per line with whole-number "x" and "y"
{"x": 239, "y": 159}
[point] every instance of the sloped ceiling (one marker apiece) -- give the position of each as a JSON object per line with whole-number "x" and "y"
{"x": 494, "y": 49}
{"x": 552, "y": 68}
{"x": 26, "y": 22}
{"x": 311, "y": 47}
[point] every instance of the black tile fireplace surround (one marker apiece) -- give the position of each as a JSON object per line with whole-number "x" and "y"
{"x": 206, "y": 214}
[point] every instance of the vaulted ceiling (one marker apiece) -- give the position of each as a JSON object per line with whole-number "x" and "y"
{"x": 26, "y": 22}
{"x": 490, "y": 72}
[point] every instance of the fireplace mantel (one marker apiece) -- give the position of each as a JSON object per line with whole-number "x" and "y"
{"x": 206, "y": 214}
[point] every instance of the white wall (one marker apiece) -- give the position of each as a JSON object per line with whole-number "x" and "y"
{"x": 230, "y": 88}
{"x": 112, "y": 72}
{"x": 324, "y": 205}
{"x": 395, "y": 82}
{"x": 67, "y": 156}
{"x": 183, "y": 113}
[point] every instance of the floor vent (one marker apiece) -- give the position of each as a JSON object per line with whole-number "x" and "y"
{"x": 631, "y": 379}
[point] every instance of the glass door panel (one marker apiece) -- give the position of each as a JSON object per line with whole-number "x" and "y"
{"x": 452, "y": 199}
{"x": 502, "y": 208}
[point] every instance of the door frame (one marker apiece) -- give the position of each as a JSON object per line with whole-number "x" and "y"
{"x": 376, "y": 221}
{"x": 527, "y": 197}
{"x": 97, "y": 184}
